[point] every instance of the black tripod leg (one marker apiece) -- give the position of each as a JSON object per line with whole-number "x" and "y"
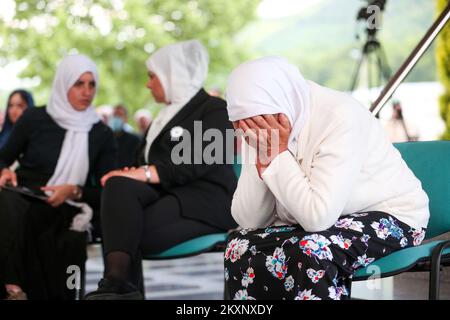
{"x": 357, "y": 71}
{"x": 386, "y": 70}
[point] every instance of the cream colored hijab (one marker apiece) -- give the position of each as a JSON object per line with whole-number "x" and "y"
{"x": 182, "y": 69}
{"x": 269, "y": 85}
{"x": 73, "y": 162}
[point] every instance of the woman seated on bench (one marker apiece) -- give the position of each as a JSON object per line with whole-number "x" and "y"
{"x": 325, "y": 195}
{"x": 64, "y": 147}
{"x": 149, "y": 209}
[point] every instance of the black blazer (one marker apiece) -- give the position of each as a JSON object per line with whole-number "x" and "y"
{"x": 205, "y": 191}
{"x": 36, "y": 141}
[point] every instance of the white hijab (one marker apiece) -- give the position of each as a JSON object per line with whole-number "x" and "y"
{"x": 269, "y": 85}
{"x": 73, "y": 162}
{"x": 182, "y": 69}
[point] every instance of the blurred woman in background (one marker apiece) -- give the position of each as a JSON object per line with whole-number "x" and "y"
{"x": 18, "y": 101}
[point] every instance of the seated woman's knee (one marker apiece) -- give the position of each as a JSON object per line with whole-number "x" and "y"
{"x": 118, "y": 183}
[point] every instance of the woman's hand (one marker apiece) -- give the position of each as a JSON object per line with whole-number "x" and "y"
{"x": 8, "y": 176}
{"x": 132, "y": 173}
{"x": 270, "y": 135}
{"x": 60, "y": 194}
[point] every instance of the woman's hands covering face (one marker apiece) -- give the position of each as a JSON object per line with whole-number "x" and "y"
{"x": 268, "y": 134}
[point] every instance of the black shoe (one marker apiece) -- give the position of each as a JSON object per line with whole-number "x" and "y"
{"x": 113, "y": 289}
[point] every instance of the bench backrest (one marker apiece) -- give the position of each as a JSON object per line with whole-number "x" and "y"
{"x": 430, "y": 162}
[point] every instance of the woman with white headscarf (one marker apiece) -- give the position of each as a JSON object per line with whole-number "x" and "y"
{"x": 324, "y": 195}
{"x": 170, "y": 196}
{"x": 63, "y": 150}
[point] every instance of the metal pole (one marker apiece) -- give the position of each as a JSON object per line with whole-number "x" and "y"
{"x": 410, "y": 62}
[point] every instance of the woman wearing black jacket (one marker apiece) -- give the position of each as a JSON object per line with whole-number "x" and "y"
{"x": 63, "y": 150}
{"x": 163, "y": 202}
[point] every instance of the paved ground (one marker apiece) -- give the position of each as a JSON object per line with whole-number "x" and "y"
{"x": 201, "y": 278}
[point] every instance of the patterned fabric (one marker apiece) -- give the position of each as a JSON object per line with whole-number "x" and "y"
{"x": 286, "y": 262}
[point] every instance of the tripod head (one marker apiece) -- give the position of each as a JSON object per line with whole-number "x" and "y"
{"x": 371, "y": 45}
{"x": 366, "y": 14}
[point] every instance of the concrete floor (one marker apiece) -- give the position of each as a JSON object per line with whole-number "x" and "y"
{"x": 407, "y": 286}
{"x": 201, "y": 278}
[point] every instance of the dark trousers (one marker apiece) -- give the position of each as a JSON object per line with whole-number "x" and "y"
{"x": 139, "y": 219}
{"x": 37, "y": 247}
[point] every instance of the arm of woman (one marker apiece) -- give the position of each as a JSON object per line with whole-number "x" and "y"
{"x": 253, "y": 203}
{"x": 107, "y": 168}
{"x": 7, "y": 176}
{"x": 317, "y": 201}
{"x": 61, "y": 193}
{"x": 90, "y": 192}
{"x": 138, "y": 174}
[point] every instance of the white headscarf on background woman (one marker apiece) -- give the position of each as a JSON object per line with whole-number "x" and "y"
{"x": 182, "y": 69}
{"x": 269, "y": 85}
{"x": 73, "y": 162}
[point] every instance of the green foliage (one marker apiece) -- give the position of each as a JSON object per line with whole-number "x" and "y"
{"x": 43, "y": 31}
{"x": 443, "y": 63}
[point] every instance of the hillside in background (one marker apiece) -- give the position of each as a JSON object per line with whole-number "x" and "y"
{"x": 321, "y": 40}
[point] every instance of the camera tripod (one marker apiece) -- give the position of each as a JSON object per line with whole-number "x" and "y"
{"x": 374, "y": 55}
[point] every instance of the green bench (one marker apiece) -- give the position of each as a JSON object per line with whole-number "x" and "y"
{"x": 430, "y": 162}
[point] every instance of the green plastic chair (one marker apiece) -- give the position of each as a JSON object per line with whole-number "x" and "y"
{"x": 430, "y": 162}
{"x": 210, "y": 243}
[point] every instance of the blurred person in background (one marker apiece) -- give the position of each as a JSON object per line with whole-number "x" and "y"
{"x": 18, "y": 101}
{"x": 127, "y": 142}
{"x": 397, "y": 128}
{"x": 105, "y": 112}
{"x": 215, "y": 92}
{"x": 143, "y": 119}
{"x": 2, "y": 118}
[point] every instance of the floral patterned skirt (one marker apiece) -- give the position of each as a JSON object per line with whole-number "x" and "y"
{"x": 286, "y": 262}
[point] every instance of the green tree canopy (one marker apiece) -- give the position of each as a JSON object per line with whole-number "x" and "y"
{"x": 120, "y": 35}
{"x": 443, "y": 62}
